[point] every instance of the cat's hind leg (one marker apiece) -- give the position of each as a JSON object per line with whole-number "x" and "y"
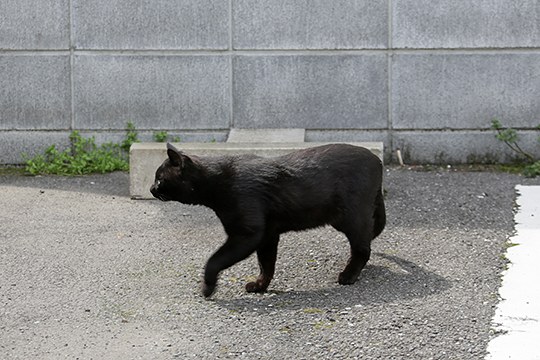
{"x": 359, "y": 232}
{"x": 266, "y": 254}
{"x": 379, "y": 214}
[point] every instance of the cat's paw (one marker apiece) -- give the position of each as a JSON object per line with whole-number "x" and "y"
{"x": 255, "y": 287}
{"x": 346, "y": 279}
{"x": 208, "y": 290}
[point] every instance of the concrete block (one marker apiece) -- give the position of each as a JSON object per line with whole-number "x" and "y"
{"x": 266, "y": 135}
{"x": 14, "y": 144}
{"x": 30, "y": 24}
{"x": 151, "y": 24}
{"x": 458, "y": 147}
{"x": 465, "y": 24}
{"x": 310, "y": 24}
{"x": 464, "y": 91}
{"x": 145, "y": 158}
{"x": 35, "y": 92}
{"x": 310, "y": 91}
{"x": 154, "y": 92}
{"x": 359, "y": 136}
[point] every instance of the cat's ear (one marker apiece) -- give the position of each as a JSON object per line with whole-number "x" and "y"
{"x": 175, "y": 156}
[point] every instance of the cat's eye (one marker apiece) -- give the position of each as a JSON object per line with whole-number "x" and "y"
{"x": 158, "y": 182}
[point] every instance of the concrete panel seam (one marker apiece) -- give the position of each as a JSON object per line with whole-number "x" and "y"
{"x": 231, "y": 92}
{"x": 231, "y": 25}
{"x": 367, "y": 130}
{"x": 38, "y": 52}
{"x": 71, "y": 65}
{"x": 147, "y": 52}
{"x": 231, "y": 71}
{"x": 456, "y": 130}
{"x": 50, "y": 130}
{"x": 389, "y": 73}
{"x": 276, "y": 52}
{"x": 464, "y": 51}
{"x": 390, "y": 25}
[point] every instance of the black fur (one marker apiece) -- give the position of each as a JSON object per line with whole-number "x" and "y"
{"x": 257, "y": 199}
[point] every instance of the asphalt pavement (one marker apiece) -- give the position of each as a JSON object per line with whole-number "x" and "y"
{"x": 88, "y": 273}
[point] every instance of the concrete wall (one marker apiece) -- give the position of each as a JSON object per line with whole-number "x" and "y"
{"x": 425, "y": 76}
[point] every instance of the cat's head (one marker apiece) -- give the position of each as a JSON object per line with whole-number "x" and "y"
{"x": 174, "y": 177}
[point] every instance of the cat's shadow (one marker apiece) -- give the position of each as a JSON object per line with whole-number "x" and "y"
{"x": 377, "y": 284}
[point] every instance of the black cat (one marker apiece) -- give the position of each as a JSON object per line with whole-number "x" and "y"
{"x": 257, "y": 199}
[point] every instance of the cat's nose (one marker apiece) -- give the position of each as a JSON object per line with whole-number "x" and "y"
{"x": 153, "y": 189}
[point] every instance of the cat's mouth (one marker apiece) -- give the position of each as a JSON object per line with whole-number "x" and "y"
{"x": 162, "y": 197}
{"x": 159, "y": 195}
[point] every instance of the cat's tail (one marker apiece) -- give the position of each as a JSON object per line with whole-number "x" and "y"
{"x": 379, "y": 214}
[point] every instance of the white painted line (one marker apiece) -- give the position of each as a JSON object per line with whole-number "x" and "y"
{"x": 518, "y": 313}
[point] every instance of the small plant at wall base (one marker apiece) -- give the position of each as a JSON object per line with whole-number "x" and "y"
{"x": 509, "y": 136}
{"x": 163, "y": 136}
{"x": 84, "y": 156}
{"x": 132, "y": 136}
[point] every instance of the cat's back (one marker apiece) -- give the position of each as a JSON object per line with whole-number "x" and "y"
{"x": 332, "y": 157}
{"x": 319, "y": 163}
{"x": 327, "y": 155}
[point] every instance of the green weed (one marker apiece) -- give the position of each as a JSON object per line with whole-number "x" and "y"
{"x": 163, "y": 136}
{"x": 528, "y": 165}
{"x": 132, "y": 136}
{"x": 83, "y": 156}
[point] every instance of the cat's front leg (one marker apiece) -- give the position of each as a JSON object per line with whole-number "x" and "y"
{"x": 235, "y": 249}
{"x": 266, "y": 254}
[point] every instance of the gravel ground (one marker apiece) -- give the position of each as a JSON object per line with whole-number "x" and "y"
{"x": 87, "y": 273}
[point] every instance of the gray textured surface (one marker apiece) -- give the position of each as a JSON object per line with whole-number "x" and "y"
{"x": 15, "y": 145}
{"x": 34, "y": 92}
{"x": 149, "y": 136}
{"x": 102, "y": 276}
{"x": 463, "y": 91}
{"x": 310, "y": 24}
{"x": 339, "y": 91}
{"x": 266, "y": 135}
{"x": 30, "y": 24}
{"x": 151, "y": 24}
{"x": 154, "y": 92}
{"x": 465, "y": 24}
{"x": 197, "y": 68}
{"x": 439, "y": 147}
